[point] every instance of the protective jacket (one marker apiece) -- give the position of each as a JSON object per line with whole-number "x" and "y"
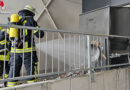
{"x": 4, "y": 46}
{"x": 25, "y": 42}
{"x": 4, "y": 53}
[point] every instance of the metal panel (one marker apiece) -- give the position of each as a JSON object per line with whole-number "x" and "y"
{"x": 108, "y": 20}
{"x": 119, "y": 2}
{"x": 95, "y": 22}
{"x": 92, "y": 4}
{"x": 89, "y": 5}
{"x": 120, "y": 21}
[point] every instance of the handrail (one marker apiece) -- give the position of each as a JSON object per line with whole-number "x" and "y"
{"x": 59, "y": 30}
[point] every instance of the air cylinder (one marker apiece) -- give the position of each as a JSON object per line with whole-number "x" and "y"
{"x": 0, "y": 28}
{"x": 14, "y": 19}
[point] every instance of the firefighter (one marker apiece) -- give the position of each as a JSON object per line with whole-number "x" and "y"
{"x": 24, "y": 47}
{"x": 4, "y": 53}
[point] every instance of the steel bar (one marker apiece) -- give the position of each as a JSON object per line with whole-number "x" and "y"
{"x": 79, "y": 50}
{"x": 46, "y": 53}
{"x": 39, "y": 52}
{"x": 96, "y": 44}
{"x": 5, "y": 52}
{"x": 74, "y": 52}
{"x": 84, "y": 45}
{"x": 24, "y": 33}
{"x": 52, "y": 52}
{"x": 14, "y": 54}
{"x": 41, "y": 75}
{"x": 88, "y": 53}
{"x": 64, "y": 52}
{"x": 101, "y": 60}
{"x": 61, "y": 31}
{"x": 31, "y": 53}
{"x": 69, "y": 52}
{"x": 58, "y": 55}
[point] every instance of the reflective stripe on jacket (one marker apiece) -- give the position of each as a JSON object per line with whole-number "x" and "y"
{"x": 5, "y": 57}
{"x": 25, "y": 50}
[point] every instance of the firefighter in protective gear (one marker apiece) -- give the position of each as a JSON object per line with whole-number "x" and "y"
{"x": 24, "y": 48}
{"x": 4, "y": 53}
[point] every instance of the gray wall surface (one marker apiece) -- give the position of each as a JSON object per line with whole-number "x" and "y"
{"x": 95, "y": 22}
{"x": 65, "y": 13}
{"x": 117, "y": 79}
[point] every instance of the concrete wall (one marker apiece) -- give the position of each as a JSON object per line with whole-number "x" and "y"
{"x": 108, "y": 80}
{"x": 65, "y": 13}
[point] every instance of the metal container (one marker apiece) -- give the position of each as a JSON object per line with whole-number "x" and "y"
{"x": 108, "y": 21}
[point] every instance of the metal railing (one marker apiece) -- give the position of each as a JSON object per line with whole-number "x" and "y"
{"x": 73, "y": 52}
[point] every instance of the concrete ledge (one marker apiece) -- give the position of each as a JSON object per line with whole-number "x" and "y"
{"x": 117, "y": 79}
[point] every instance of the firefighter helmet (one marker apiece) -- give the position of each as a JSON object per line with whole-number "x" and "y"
{"x": 30, "y": 8}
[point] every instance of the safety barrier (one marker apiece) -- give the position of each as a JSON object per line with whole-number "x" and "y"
{"x": 73, "y": 53}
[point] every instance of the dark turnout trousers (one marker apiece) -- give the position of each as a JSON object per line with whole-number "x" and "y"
{"x": 4, "y": 66}
{"x": 16, "y": 61}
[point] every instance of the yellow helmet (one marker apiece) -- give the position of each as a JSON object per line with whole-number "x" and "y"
{"x": 30, "y": 8}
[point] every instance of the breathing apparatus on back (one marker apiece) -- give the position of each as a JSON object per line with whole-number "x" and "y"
{"x": 14, "y": 19}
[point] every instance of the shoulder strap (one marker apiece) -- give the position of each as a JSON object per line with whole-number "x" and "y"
{"x": 22, "y": 20}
